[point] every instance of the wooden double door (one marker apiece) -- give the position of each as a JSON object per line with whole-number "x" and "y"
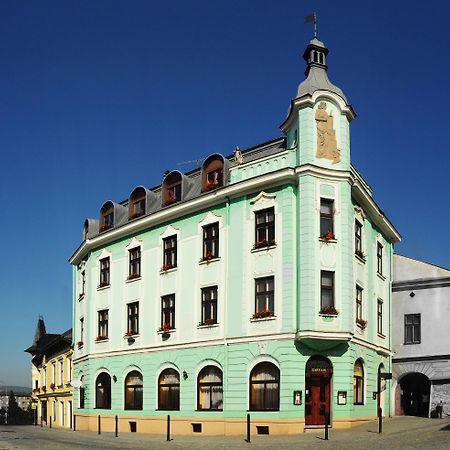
{"x": 318, "y": 373}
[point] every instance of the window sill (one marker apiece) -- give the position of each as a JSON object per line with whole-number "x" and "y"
{"x": 411, "y": 343}
{"x": 126, "y": 336}
{"x": 204, "y": 325}
{"x": 172, "y": 330}
{"x": 262, "y": 319}
{"x": 209, "y": 410}
{"x": 208, "y": 261}
{"x": 101, "y": 288}
{"x": 360, "y": 258}
{"x": 381, "y": 335}
{"x": 328, "y": 315}
{"x": 97, "y": 341}
{"x": 173, "y": 269}
{"x": 131, "y": 280}
{"x": 326, "y": 241}
{"x": 261, "y": 249}
{"x": 382, "y": 277}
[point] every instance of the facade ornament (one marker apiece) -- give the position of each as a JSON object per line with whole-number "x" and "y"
{"x": 262, "y": 346}
{"x": 326, "y": 135}
{"x": 238, "y": 156}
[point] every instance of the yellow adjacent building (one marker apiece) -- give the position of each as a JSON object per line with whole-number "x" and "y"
{"x": 51, "y": 374}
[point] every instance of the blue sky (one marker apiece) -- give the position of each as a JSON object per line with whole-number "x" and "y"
{"x": 97, "y": 97}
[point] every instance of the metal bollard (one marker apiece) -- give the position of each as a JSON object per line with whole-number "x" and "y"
{"x": 41, "y": 422}
{"x": 380, "y": 420}
{"x": 50, "y": 421}
{"x": 248, "y": 429}
{"x": 99, "y": 429}
{"x": 168, "y": 428}
{"x": 327, "y": 423}
{"x": 74, "y": 422}
{"x": 117, "y": 426}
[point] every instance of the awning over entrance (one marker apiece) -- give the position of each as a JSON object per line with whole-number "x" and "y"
{"x": 322, "y": 340}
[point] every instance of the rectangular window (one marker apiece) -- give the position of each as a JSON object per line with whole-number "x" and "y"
{"x": 104, "y": 272}
{"x": 209, "y": 305}
{"x": 81, "y": 330}
{"x": 264, "y": 297}
{"x": 168, "y": 312}
{"x": 134, "y": 270}
{"x": 326, "y": 289}
{"x": 412, "y": 328}
{"x": 102, "y": 324}
{"x": 380, "y": 316}
{"x": 69, "y": 370}
{"x": 83, "y": 283}
{"x": 108, "y": 220}
{"x": 210, "y": 241}
{"x": 379, "y": 258}
{"x": 358, "y": 239}
{"x": 326, "y": 218}
{"x": 138, "y": 207}
{"x": 53, "y": 372}
{"x": 133, "y": 318}
{"x": 170, "y": 252}
{"x": 174, "y": 193}
{"x": 61, "y": 371}
{"x": 265, "y": 227}
{"x": 359, "y": 309}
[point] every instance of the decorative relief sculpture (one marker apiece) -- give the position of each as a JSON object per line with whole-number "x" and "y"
{"x": 326, "y": 135}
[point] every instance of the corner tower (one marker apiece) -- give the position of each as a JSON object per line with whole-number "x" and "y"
{"x": 317, "y": 123}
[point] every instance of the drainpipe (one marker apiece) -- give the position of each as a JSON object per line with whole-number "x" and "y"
{"x": 225, "y": 303}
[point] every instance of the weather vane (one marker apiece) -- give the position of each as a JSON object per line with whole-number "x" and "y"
{"x": 312, "y": 18}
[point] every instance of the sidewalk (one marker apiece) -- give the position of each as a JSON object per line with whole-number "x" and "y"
{"x": 398, "y": 433}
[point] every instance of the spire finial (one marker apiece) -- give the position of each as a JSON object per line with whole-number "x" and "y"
{"x": 312, "y": 18}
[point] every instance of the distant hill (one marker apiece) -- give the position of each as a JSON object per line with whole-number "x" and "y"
{"x": 18, "y": 390}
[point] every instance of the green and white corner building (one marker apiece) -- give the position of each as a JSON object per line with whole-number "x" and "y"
{"x": 259, "y": 283}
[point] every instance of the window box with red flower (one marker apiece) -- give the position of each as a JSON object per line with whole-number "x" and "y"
{"x": 262, "y": 314}
{"x": 264, "y": 244}
{"x": 101, "y": 338}
{"x": 52, "y": 386}
{"x": 208, "y": 323}
{"x": 44, "y": 388}
{"x": 167, "y": 267}
{"x": 103, "y": 285}
{"x": 133, "y": 276}
{"x": 211, "y": 185}
{"x": 328, "y": 236}
{"x": 80, "y": 344}
{"x": 329, "y": 311}
{"x": 361, "y": 323}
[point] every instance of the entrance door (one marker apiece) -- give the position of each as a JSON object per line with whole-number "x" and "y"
{"x": 317, "y": 390}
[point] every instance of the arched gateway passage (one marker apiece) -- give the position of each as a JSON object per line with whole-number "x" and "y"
{"x": 318, "y": 374}
{"x": 415, "y": 395}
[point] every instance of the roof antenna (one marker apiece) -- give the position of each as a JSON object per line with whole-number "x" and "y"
{"x": 197, "y": 161}
{"x": 312, "y": 18}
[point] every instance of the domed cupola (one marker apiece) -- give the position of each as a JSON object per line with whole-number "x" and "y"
{"x": 316, "y": 71}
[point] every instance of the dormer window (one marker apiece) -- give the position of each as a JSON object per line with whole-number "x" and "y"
{"x": 137, "y": 203}
{"x": 212, "y": 173}
{"x": 172, "y": 188}
{"x": 85, "y": 230}
{"x": 107, "y": 217}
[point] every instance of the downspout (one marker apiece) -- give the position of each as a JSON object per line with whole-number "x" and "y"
{"x": 225, "y": 303}
{"x": 391, "y": 273}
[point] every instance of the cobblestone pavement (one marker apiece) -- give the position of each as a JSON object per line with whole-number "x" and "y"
{"x": 400, "y": 433}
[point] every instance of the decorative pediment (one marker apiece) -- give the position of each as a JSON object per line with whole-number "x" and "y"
{"x": 104, "y": 254}
{"x": 210, "y": 218}
{"x": 263, "y": 198}
{"x": 169, "y": 231}
{"x": 133, "y": 243}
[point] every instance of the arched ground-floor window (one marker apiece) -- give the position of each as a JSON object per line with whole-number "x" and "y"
{"x": 133, "y": 390}
{"x": 169, "y": 390}
{"x": 103, "y": 391}
{"x": 265, "y": 387}
{"x": 210, "y": 389}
